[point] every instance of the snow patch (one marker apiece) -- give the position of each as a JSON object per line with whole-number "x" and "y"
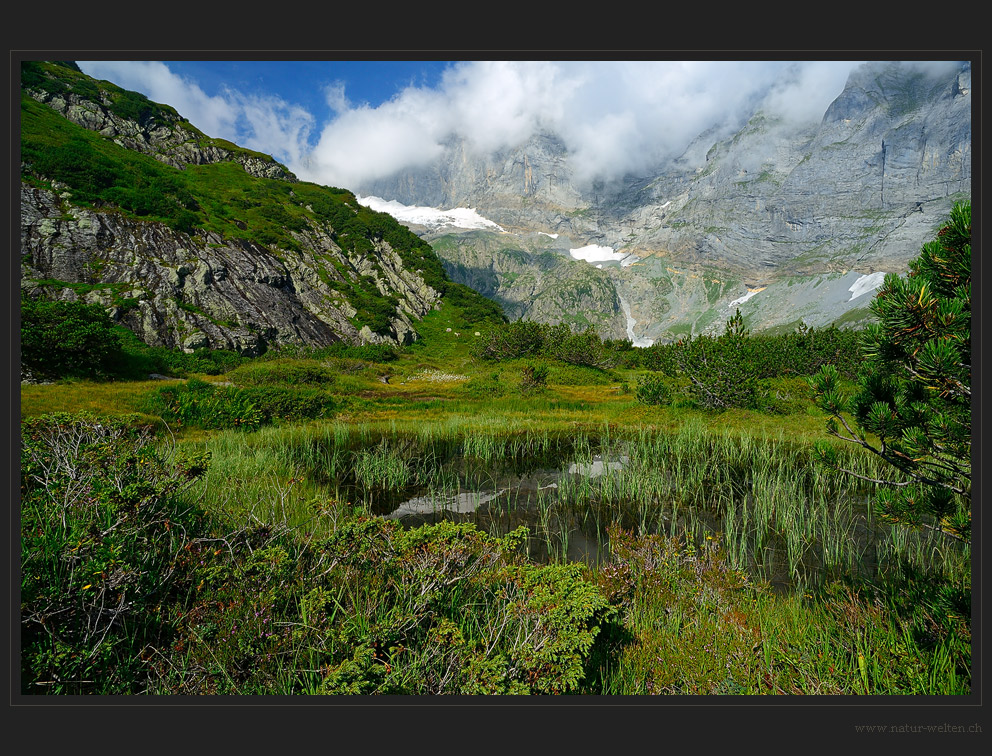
{"x": 553, "y": 236}
{"x": 865, "y": 284}
{"x": 593, "y": 253}
{"x": 459, "y": 217}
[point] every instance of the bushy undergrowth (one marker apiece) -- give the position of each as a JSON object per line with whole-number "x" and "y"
{"x": 739, "y": 370}
{"x": 73, "y": 339}
{"x": 127, "y": 590}
{"x": 199, "y": 404}
{"x": 68, "y": 340}
{"x": 525, "y": 338}
{"x": 103, "y": 544}
{"x": 293, "y": 372}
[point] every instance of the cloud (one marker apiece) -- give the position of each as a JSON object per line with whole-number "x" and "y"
{"x": 801, "y": 95}
{"x": 334, "y": 95}
{"x": 216, "y": 116}
{"x": 265, "y": 123}
{"x": 613, "y": 116}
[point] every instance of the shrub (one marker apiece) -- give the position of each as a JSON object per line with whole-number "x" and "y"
{"x": 367, "y": 352}
{"x": 652, "y": 389}
{"x": 533, "y": 376}
{"x": 102, "y": 539}
{"x": 914, "y": 387}
{"x": 199, "y": 404}
{"x": 522, "y": 338}
{"x": 290, "y": 403}
{"x": 486, "y": 386}
{"x": 292, "y": 372}
{"x": 585, "y": 348}
{"x": 68, "y": 340}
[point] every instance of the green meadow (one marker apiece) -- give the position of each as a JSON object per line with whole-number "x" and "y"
{"x": 430, "y": 522}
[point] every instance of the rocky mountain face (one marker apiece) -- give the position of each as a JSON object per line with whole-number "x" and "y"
{"x": 190, "y": 291}
{"x": 789, "y": 223}
{"x": 191, "y": 286}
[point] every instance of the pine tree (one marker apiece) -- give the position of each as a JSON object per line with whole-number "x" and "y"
{"x": 721, "y": 369}
{"x": 914, "y": 389}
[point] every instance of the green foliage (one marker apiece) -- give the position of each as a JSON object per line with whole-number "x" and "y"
{"x": 475, "y": 309}
{"x": 533, "y": 376}
{"x": 525, "y": 338}
{"x": 532, "y": 628}
{"x": 366, "y": 352}
{"x": 693, "y": 625}
{"x": 486, "y": 386}
{"x": 652, "y": 389}
{"x": 68, "y": 340}
{"x": 585, "y": 348}
{"x": 140, "y": 359}
{"x": 102, "y": 537}
{"x": 521, "y": 338}
{"x": 218, "y": 197}
{"x": 914, "y": 388}
{"x": 800, "y": 353}
{"x": 292, "y": 403}
{"x": 285, "y": 371}
{"x": 740, "y": 369}
{"x": 719, "y": 372}
{"x": 198, "y": 404}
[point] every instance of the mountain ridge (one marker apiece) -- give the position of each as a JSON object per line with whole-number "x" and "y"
{"x": 193, "y": 242}
{"x": 856, "y": 193}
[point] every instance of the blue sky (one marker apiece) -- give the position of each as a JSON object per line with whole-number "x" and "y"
{"x": 302, "y": 81}
{"x": 342, "y": 123}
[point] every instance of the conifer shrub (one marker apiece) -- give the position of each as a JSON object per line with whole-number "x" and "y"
{"x": 652, "y": 389}
{"x": 291, "y": 372}
{"x": 199, "y": 404}
{"x": 914, "y": 386}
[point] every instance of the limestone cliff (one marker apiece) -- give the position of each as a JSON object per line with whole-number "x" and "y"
{"x": 748, "y": 220}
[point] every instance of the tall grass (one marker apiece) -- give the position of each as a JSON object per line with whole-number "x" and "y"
{"x": 778, "y": 514}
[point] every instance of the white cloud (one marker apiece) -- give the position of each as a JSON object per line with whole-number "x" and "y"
{"x": 613, "y": 116}
{"x": 806, "y": 90}
{"x": 267, "y": 124}
{"x": 212, "y": 115}
{"x": 335, "y": 97}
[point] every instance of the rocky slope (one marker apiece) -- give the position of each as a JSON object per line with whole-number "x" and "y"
{"x": 216, "y": 272}
{"x": 778, "y": 219}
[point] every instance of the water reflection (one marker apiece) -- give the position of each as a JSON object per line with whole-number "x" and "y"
{"x": 786, "y": 526}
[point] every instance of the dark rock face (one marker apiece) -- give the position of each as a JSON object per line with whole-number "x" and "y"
{"x": 178, "y": 290}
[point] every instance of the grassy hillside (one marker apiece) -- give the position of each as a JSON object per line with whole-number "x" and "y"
{"x": 95, "y": 171}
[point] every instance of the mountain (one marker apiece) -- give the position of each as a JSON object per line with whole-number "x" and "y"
{"x": 789, "y": 222}
{"x": 194, "y": 242}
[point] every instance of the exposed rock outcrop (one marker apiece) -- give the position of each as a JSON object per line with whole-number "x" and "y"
{"x": 178, "y": 290}
{"x": 166, "y": 137}
{"x": 774, "y": 205}
{"x": 181, "y": 284}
